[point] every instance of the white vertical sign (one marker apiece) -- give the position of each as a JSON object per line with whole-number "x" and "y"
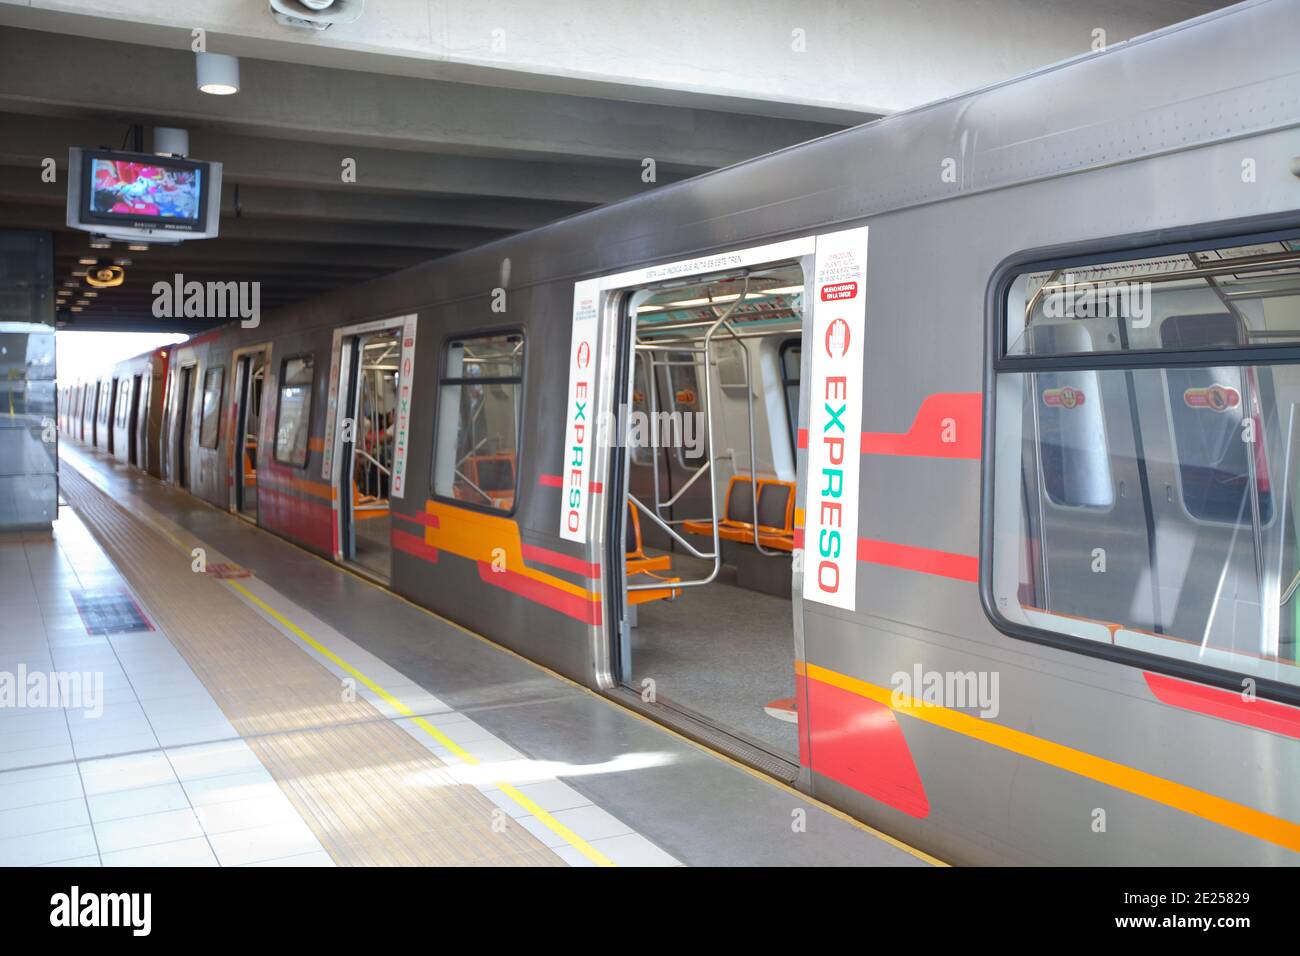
{"x": 402, "y": 420}
{"x": 579, "y": 434}
{"x": 830, "y": 559}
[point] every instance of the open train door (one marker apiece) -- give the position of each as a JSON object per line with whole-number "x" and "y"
{"x": 701, "y": 491}
{"x": 246, "y": 427}
{"x": 367, "y": 424}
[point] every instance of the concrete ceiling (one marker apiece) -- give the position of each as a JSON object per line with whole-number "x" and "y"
{"x": 440, "y": 166}
{"x": 452, "y": 146}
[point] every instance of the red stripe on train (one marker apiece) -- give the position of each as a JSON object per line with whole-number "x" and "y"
{"x": 557, "y": 481}
{"x": 564, "y": 562}
{"x": 1225, "y": 704}
{"x": 947, "y": 425}
{"x": 421, "y": 518}
{"x": 946, "y": 564}
{"x": 572, "y": 605}
{"x": 415, "y": 545}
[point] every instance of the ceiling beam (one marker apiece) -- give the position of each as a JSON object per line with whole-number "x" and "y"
{"x": 345, "y": 108}
{"x": 26, "y": 140}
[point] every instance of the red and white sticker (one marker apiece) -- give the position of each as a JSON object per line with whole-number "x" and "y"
{"x": 830, "y": 560}
{"x": 1217, "y": 398}
{"x": 579, "y": 441}
{"x": 1065, "y": 397}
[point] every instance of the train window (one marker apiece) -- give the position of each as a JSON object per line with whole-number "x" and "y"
{"x": 791, "y": 357}
{"x": 1146, "y": 432}
{"x": 476, "y": 448}
{"x": 123, "y": 402}
{"x": 210, "y": 414}
{"x": 293, "y": 424}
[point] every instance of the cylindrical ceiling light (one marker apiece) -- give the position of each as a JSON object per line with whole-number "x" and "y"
{"x": 216, "y": 73}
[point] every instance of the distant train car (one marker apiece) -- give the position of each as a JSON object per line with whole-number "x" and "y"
{"x": 945, "y": 467}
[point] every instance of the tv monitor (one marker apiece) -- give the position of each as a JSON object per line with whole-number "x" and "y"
{"x": 141, "y": 196}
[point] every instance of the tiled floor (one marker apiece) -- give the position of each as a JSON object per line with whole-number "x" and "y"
{"x": 586, "y": 778}
{"x": 143, "y": 769}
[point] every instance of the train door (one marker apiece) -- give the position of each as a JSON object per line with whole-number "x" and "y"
{"x": 250, "y": 376}
{"x": 706, "y": 519}
{"x": 140, "y": 421}
{"x": 366, "y": 438}
{"x": 110, "y": 411}
{"x": 184, "y": 400}
{"x": 133, "y": 423}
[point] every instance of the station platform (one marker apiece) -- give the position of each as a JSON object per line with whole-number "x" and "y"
{"x": 275, "y": 709}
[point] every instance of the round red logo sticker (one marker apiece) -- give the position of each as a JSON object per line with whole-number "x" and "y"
{"x": 1067, "y": 397}
{"x": 1217, "y": 398}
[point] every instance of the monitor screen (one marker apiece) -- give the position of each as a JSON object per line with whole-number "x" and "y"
{"x": 154, "y": 190}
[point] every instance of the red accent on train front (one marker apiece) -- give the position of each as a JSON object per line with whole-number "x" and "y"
{"x": 858, "y": 742}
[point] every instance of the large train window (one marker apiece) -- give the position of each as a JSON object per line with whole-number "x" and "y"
{"x": 210, "y": 414}
{"x": 1146, "y": 461}
{"x": 293, "y": 422}
{"x": 476, "y": 447}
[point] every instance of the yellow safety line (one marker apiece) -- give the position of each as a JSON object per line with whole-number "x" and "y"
{"x": 552, "y": 824}
{"x": 605, "y": 699}
{"x": 1227, "y": 813}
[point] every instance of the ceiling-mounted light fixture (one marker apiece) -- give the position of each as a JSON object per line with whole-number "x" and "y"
{"x": 216, "y": 73}
{"x": 315, "y": 14}
{"x": 106, "y": 277}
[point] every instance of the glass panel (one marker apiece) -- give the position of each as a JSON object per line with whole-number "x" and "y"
{"x": 1124, "y": 305}
{"x": 292, "y": 431}
{"x": 477, "y": 449}
{"x": 1155, "y": 509}
{"x": 210, "y": 423}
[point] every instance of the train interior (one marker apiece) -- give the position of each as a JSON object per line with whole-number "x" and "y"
{"x": 710, "y": 435}
{"x": 1157, "y": 506}
{"x": 371, "y": 362}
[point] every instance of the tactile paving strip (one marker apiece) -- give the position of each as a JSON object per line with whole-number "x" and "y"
{"x": 371, "y": 794}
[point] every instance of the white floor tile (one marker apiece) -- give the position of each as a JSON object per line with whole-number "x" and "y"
{"x": 192, "y": 852}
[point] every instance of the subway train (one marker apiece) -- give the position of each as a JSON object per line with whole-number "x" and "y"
{"x": 941, "y": 467}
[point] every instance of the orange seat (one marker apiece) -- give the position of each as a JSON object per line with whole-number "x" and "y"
{"x": 651, "y": 594}
{"x": 641, "y": 567}
{"x": 370, "y": 512}
{"x": 775, "y": 514}
{"x": 637, "y": 560}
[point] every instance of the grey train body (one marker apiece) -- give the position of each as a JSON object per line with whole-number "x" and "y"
{"x": 1136, "y": 148}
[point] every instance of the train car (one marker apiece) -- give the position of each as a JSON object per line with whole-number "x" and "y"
{"x": 963, "y": 490}
{"x": 134, "y": 423}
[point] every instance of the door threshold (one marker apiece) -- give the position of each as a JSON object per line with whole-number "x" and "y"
{"x": 367, "y": 573}
{"x": 697, "y": 728}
